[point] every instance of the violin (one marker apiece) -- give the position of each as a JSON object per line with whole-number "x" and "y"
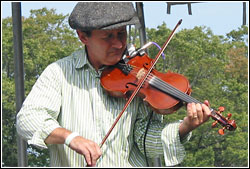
{"x": 165, "y": 92}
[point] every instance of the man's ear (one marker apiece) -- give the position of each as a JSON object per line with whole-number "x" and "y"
{"x": 82, "y": 36}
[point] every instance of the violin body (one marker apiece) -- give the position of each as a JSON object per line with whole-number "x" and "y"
{"x": 120, "y": 84}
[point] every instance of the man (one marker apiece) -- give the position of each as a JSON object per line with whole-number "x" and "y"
{"x": 69, "y": 112}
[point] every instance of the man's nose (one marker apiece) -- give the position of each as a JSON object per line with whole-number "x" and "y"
{"x": 117, "y": 43}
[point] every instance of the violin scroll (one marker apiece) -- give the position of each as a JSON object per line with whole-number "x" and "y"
{"x": 223, "y": 121}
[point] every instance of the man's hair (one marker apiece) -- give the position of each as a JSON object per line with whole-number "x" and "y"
{"x": 88, "y": 33}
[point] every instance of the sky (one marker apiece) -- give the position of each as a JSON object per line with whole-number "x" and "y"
{"x": 220, "y": 16}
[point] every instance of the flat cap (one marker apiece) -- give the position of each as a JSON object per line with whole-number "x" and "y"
{"x": 87, "y": 16}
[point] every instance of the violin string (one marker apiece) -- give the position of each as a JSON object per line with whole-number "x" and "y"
{"x": 165, "y": 87}
{"x": 181, "y": 95}
{"x": 169, "y": 89}
{"x": 172, "y": 90}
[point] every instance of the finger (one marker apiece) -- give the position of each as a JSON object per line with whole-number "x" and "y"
{"x": 199, "y": 112}
{"x": 93, "y": 154}
{"x": 206, "y": 102}
{"x": 194, "y": 111}
{"x": 81, "y": 146}
{"x": 96, "y": 155}
{"x": 87, "y": 148}
{"x": 88, "y": 151}
{"x": 207, "y": 111}
{"x": 189, "y": 111}
{"x": 87, "y": 157}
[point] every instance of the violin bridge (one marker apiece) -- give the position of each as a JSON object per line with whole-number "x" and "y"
{"x": 141, "y": 73}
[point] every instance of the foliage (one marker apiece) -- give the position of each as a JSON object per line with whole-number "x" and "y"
{"x": 9, "y": 148}
{"x": 216, "y": 66}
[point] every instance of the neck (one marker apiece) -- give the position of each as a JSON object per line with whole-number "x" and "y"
{"x": 93, "y": 64}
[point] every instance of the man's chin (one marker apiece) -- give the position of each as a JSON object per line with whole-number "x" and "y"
{"x": 112, "y": 63}
{"x": 115, "y": 59}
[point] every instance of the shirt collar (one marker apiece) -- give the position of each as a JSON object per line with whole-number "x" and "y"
{"x": 82, "y": 60}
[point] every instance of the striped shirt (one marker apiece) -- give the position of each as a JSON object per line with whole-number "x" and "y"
{"x": 68, "y": 94}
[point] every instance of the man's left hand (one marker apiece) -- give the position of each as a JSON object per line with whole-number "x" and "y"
{"x": 197, "y": 114}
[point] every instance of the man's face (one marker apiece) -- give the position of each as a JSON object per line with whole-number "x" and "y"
{"x": 105, "y": 47}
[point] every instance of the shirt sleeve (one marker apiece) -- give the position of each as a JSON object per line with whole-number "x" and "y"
{"x": 37, "y": 117}
{"x": 161, "y": 139}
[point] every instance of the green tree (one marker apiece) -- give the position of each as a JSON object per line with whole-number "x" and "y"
{"x": 217, "y": 68}
{"x": 46, "y": 38}
{"x": 9, "y": 145}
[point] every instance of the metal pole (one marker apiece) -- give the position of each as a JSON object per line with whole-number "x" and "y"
{"x": 19, "y": 76}
{"x": 244, "y": 13}
{"x": 142, "y": 31}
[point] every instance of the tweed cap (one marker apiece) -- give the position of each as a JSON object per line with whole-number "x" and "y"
{"x": 87, "y": 16}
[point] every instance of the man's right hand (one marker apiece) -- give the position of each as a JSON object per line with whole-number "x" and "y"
{"x": 88, "y": 148}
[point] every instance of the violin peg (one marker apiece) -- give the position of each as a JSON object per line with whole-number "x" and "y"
{"x": 221, "y": 109}
{"x": 214, "y": 124}
{"x": 229, "y": 115}
{"x": 221, "y": 131}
